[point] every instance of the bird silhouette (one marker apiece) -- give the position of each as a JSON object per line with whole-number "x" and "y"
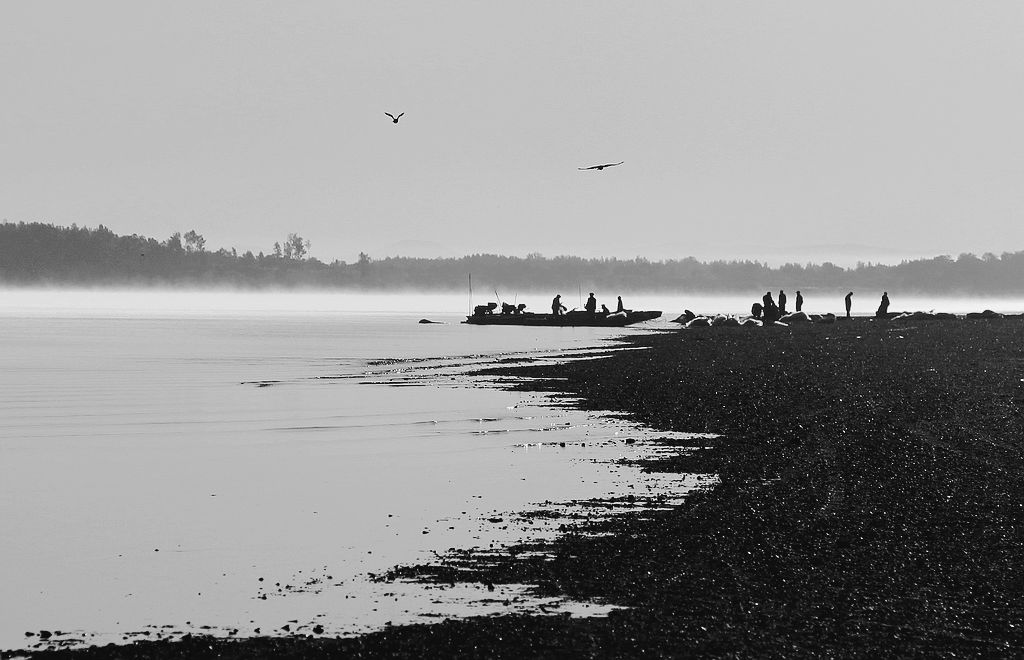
{"x": 601, "y": 167}
{"x": 394, "y": 118}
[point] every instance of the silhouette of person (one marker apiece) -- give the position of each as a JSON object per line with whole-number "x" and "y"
{"x": 883, "y": 307}
{"x": 755, "y": 310}
{"x": 557, "y": 308}
{"x": 605, "y": 310}
{"x": 591, "y": 305}
{"x": 620, "y": 308}
{"x": 770, "y": 311}
{"x": 782, "y": 302}
{"x": 849, "y": 303}
{"x": 799, "y": 301}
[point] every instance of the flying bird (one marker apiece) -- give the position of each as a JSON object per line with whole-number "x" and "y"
{"x": 601, "y": 167}
{"x": 394, "y": 118}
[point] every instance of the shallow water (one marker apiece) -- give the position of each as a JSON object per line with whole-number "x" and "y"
{"x": 159, "y": 459}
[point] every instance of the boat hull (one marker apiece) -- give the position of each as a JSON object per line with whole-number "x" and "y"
{"x": 569, "y": 319}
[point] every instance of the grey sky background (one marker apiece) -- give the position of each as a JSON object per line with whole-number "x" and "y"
{"x": 808, "y": 130}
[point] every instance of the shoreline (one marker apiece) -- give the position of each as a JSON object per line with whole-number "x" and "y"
{"x": 870, "y": 501}
{"x": 476, "y": 447}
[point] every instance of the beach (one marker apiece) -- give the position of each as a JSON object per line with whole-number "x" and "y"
{"x": 870, "y": 501}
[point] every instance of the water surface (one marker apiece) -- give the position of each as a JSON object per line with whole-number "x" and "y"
{"x": 241, "y": 465}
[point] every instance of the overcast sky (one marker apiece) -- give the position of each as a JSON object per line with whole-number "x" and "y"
{"x": 748, "y": 129}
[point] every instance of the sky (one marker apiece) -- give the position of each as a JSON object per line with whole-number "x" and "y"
{"x": 806, "y": 130}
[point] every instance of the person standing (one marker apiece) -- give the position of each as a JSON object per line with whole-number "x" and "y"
{"x": 883, "y": 307}
{"x": 557, "y": 308}
{"x": 849, "y": 303}
{"x": 782, "y": 302}
{"x": 768, "y": 309}
{"x": 591, "y": 305}
{"x": 620, "y": 307}
{"x": 799, "y": 301}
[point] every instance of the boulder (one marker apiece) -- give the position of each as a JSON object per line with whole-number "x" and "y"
{"x": 795, "y": 317}
{"x": 699, "y": 322}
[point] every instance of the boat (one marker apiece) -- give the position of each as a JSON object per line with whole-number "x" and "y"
{"x": 574, "y": 318}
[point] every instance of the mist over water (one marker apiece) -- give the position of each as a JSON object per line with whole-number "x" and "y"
{"x": 447, "y": 307}
{"x": 154, "y": 302}
{"x": 166, "y": 301}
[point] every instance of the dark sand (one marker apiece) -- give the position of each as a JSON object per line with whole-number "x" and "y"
{"x": 871, "y": 504}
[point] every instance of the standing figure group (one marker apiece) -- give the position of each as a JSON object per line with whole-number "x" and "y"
{"x": 768, "y": 311}
{"x": 557, "y": 308}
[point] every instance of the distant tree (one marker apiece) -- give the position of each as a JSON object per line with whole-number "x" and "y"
{"x": 194, "y": 241}
{"x": 174, "y": 242}
{"x": 277, "y": 249}
{"x": 299, "y": 246}
{"x": 363, "y": 264}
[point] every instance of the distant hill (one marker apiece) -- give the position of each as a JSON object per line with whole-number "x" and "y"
{"x": 45, "y": 254}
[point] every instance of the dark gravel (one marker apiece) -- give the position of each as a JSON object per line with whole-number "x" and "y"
{"x": 871, "y": 504}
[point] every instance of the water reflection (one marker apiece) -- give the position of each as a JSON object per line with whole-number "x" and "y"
{"x": 208, "y": 473}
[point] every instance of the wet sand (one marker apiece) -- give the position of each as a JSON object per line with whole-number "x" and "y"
{"x": 871, "y": 502}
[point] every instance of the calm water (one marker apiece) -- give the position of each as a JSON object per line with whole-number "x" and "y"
{"x": 161, "y": 453}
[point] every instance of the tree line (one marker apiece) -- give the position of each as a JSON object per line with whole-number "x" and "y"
{"x": 39, "y": 253}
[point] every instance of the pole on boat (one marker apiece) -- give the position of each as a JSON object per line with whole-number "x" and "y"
{"x": 471, "y": 293}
